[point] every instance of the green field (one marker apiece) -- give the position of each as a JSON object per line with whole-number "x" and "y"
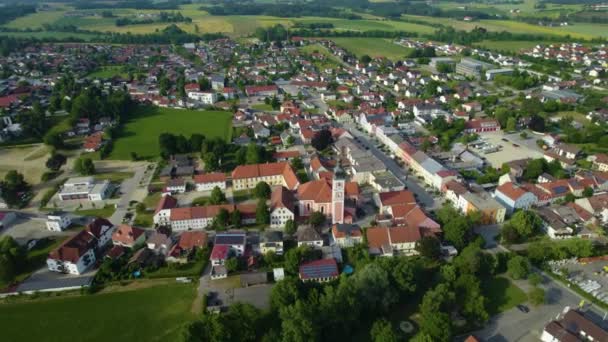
{"x": 373, "y": 47}
{"x": 577, "y": 30}
{"x": 108, "y": 72}
{"x": 149, "y": 314}
{"x": 140, "y": 133}
{"x": 501, "y": 295}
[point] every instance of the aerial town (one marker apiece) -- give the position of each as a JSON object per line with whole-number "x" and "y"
{"x": 290, "y": 189}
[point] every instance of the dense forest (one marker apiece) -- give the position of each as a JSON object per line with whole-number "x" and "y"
{"x": 9, "y": 13}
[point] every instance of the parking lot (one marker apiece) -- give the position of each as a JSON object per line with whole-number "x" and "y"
{"x": 590, "y": 277}
{"x": 510, "y": 147}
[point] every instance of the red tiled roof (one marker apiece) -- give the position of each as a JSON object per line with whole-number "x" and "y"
{"x": 126, "y": 234}
{"x": 220, "y": 252}
{"x": 73, "y": 248}
{"x": 192, "y": 239}
{"x": 511, "y": 191}
{"x": 210, "y": 178}
{"x": 397, "y": 197}
{"x": 95, "y": 228}
{"x": 281, "y": 198}
{"x": 265, "y": 170}
{"x": 166, "y": 202}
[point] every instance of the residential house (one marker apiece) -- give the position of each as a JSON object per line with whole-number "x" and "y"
{"x": 102, "y": 230}
{"x": 58, "y": 221}
{"x": 162, "y": 214}
{"x": 227, "y": 245}
{"x": 514, "y": 197}
{"x": 75, "y": 255}
{"x": 159, "y": 243}
{"x": 346, "y": 235}
{"x": 308, "y": 236}
{"x": 321, "y": 271}
{"x": 272, "y": 241}
{"x": 389, "y": 241}
{"x": 128, "y": 236}
{"x": 282, "y": 207}
{"x": 490, "y": 210}
{"x": 573, "y": 325}
{"x": 596, "y": 205}
{"x": 201, "y": 217}
{"x": 186, "y": 245}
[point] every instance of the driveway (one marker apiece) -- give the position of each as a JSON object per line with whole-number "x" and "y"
{"x": 132, "y": 189}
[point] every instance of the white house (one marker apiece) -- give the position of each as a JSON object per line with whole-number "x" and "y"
{"x": 308, "y": 236}
{"x": 206, "y": 97}
{"x": 281, "y": 207}
{"x": 74, "y": 256}
{"x": 513, "y": 197}
{"x": 58, "y": 221}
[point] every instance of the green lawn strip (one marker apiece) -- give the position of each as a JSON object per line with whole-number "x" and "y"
{"x": 149, "y": 314}
{"x": 114, "y": 177}
{"x": 501, "y": 294}
{"x": 104, "y": 212}
{"x": 140, "y": 133}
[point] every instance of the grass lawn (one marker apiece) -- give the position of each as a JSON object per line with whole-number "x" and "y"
{"x": 263, "y": 107}
{"x": 152, "y": 200}
{"x": 501, "y": 295}
{"x": 114, "y": 177}
{"x": 203, "y": 200}
{"x": 108, "y": 72}
{"x": 373, "y": 47}
{"x": 104, "y": 212}
{"x": 144, "y": 219}
{"x": 140, "y": 133}
{"x": 149, "y": 314}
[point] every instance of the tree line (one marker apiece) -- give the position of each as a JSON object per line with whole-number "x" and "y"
{"x": 314, "y": 9}
{"x": 163, "y": 17}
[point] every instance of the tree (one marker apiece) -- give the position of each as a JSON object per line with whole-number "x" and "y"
{"x": 231, "y": 264}
{"x": 11, "y": 258}
{"x": 535, "y": 279}
{"x": 262, "y": 190}
{"x": 436, "y": 322}
{"x": 54, "y": 139}
{"x": 429, "y": 247}
{"x": 365, "y": 59}
{"x": 518, "y": 267}
{"x": 297, "y": 164}
{"x": 321, "y": 140}
{"x": 211, "y": 162}
{"x": 262, "y": 214}
{"x": 526, "y": 223}
{"x": 291, "y": 227}
{"x": 588, "y": 192}
{"x": 221, "y": 219}
{"x": 235, "y": 218}
{"x": 316, "y": 219}
{"x": 55, "y": 161}
{"x": 217, "y": 196}
{"x": 457, "y": 231}
{"x": 537, "y": 296}
{"x": 511, "y": 124}
{"x": 537, "y": 123}
{"x": 254, "y": 154}
{"x": 13, "y": 185}
{"x": 134, "y": 156}
{"x": 284, "y": 293}
{"x": 382, "y": 331}
{"x": 84, "y": 166}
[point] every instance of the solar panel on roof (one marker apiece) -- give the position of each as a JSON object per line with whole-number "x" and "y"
{"x": 560, "y": 189}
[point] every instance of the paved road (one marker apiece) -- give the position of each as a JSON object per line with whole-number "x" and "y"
{"x": 132, "y": 191}
{"x": 423, "y": 196}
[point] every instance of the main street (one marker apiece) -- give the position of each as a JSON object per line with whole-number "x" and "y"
{"x": 423, "y": 197}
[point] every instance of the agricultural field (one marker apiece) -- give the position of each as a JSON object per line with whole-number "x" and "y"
{"x": 140, "y": 133}
{"x": 373, "y": 47}
{"x": 577, "y": 30}
{"x": 504, "y": 9}
{"x": 147, "y": 314}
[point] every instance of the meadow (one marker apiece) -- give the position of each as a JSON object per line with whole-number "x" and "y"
{"x": 140, "y": 133}
{"x": 373, "y": 47}
{"x": 149, "y": 314}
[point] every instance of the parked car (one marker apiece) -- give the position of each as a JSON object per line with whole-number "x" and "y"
{"x": 523, "y": 308}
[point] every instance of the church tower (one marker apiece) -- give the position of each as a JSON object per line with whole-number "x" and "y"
{"x": 337, "y": 196}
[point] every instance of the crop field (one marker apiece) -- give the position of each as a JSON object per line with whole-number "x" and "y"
{"x": 107, "y": 72}
{"x": 140, "y": 133}
{"x": 577, "y": 30}
{"x": 149, "y": 314}
{"x": 373, "y": 47}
